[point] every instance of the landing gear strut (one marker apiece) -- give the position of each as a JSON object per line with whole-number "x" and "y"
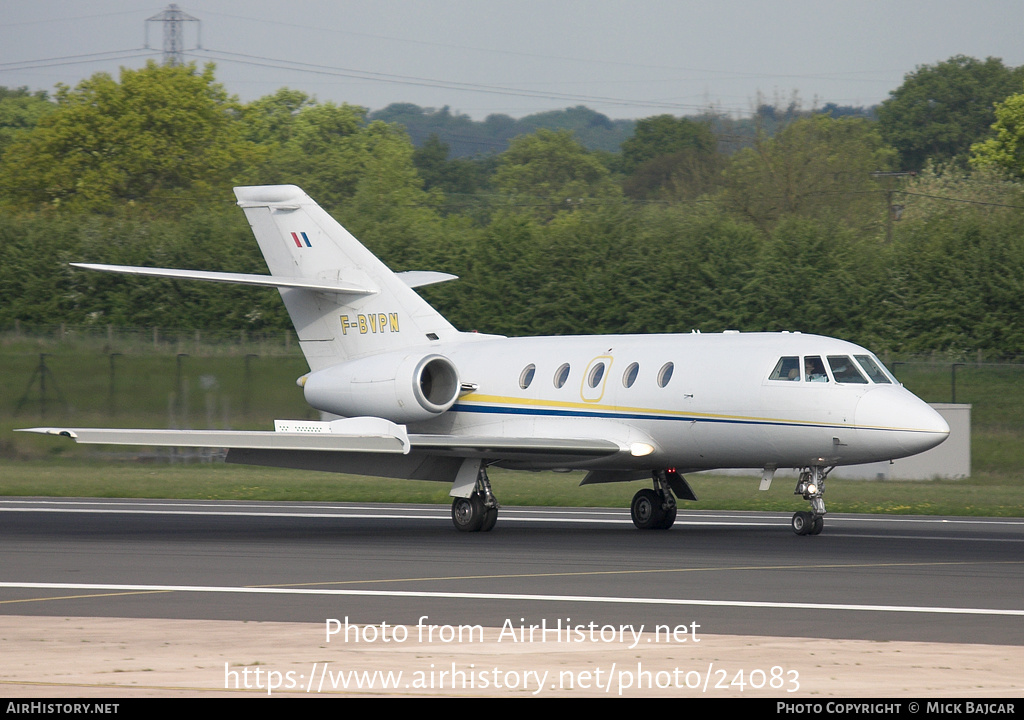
{"x": 478, "y": 512}
{"x": 654, "y": 509}
{"x": 811, "y": 486}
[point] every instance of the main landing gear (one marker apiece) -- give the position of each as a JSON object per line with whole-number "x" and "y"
{"x": 812, "y": 486}
{"x": 656, "y": 509}
{"x": 478, "y": 512}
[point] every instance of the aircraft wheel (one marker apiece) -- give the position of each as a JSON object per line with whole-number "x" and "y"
{"x": 802, "y": 522}
{"x": 646, "y": 510}
{"x": 490, "y": 518}
{"x": 817, "y": 525}
{"x": 468, "y": 513}
{"x": 668, "y": 518}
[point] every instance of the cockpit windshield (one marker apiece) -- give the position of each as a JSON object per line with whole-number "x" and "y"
{"x": 841, "y": 369}
{"x": 873, "y": 369}
{"x": 844, "y": 371}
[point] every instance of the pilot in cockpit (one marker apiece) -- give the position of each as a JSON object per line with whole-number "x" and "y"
{"x": 814, "y": 369}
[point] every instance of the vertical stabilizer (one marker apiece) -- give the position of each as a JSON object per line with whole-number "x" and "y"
{"x": 374, "y": 311}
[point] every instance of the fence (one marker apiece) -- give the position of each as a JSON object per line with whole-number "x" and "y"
{"x": 107, "y": 339}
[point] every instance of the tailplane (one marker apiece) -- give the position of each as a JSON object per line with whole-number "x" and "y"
{"x": 344, "y": 303}
{"x": 370, "y": 309}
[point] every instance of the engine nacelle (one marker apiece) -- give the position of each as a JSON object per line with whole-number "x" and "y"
{"x": 402, "y": 387}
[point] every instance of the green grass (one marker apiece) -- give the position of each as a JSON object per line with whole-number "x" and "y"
{"x": 979, "y": 496}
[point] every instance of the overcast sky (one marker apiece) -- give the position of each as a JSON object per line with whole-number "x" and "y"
{"x": 625, "y": 59}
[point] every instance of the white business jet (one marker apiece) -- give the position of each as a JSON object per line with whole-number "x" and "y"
{"x": 413, "y": 397}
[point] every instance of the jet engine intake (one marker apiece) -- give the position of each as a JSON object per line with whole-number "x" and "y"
{"x": 399, "y": 387}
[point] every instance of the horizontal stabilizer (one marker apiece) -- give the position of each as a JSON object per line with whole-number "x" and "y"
{"x": 368, "y": 435}
{"x": 419, "y": 278}
{"x": 236, "y": 278}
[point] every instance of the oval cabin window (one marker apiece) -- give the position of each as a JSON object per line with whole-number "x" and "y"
{"x": 561, "y": 375}
{"x": 629, "y": 377}
{"x": 665, "y": 374}
{"x": 527, "y": 376}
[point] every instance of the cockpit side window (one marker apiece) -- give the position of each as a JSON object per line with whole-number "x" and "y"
{"x": 814, "y": 369}
{"x": 787, "y": 369}
{"x": 844, "y": 371}
{"x": 873, "y": 369}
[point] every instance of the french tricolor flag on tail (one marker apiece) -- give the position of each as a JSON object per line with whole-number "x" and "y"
{"x": 301, "y": 238}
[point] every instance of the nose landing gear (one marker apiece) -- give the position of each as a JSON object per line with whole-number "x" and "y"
{"x": 811, "y": 486}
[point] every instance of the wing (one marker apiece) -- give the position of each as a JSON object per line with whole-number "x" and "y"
{"x": 354, "y": 445}
{"x": 369, "y": 435}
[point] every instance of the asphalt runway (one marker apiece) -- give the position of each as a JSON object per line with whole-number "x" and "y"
{"x": 958, "y": 580}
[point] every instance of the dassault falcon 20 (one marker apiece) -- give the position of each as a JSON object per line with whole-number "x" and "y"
{"x": 412, "y": 397}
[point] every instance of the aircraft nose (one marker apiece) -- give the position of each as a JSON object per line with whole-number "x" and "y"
{"x": 900, "y": 420}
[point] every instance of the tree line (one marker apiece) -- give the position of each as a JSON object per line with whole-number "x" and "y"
{"x": 811, "y": 223}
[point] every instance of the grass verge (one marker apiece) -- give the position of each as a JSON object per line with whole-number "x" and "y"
{"x": 995, "y": 496}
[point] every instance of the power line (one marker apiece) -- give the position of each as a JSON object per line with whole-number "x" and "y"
{"x": 352, "y": 73}
{"x": 76, "y": 59}
{"x": 601, "y": 60}
{"x": 959, "y": 200}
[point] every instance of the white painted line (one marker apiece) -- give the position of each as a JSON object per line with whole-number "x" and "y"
{"x": 375, "y": 514}
{"x": 413, "y": 512}
{"x": 232, "y": 508}
{"x": 514, "y": 596}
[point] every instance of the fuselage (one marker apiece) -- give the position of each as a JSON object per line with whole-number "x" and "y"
{"x": 697, "y": 401}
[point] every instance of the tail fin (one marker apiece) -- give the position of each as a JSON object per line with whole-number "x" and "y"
{"x": 372, "y": 311}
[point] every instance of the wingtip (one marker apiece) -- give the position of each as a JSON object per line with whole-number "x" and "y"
{"x": 62, "y": 432}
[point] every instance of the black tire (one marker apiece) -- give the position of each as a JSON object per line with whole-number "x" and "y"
{"x": 490, "y": 518}
{"x": 468, "y": 513}
{"x": 817, "y": 525}
{"x": 802, "y": 522}
{"x": 668, "y": 518}
{"x": 646, "y": 510}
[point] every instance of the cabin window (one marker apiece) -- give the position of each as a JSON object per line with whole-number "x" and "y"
{"x": 596, "y": 373}
{"x": 526, "y": 377}
{"x": 814, "y": 369}
{"x": 629, "y": 377}
{"x": 873, "y": 369}
{"x": 665, "y": 374}
{"x": 787, "y": 369}
{"x": 561, "y": 375}
{"x": 844, "y": 371}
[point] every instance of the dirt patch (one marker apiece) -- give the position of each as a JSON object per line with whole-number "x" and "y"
{"x": 116, "y": 657}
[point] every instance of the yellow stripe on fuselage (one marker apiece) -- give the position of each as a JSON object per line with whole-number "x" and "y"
{"x": 480, "y": 399}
